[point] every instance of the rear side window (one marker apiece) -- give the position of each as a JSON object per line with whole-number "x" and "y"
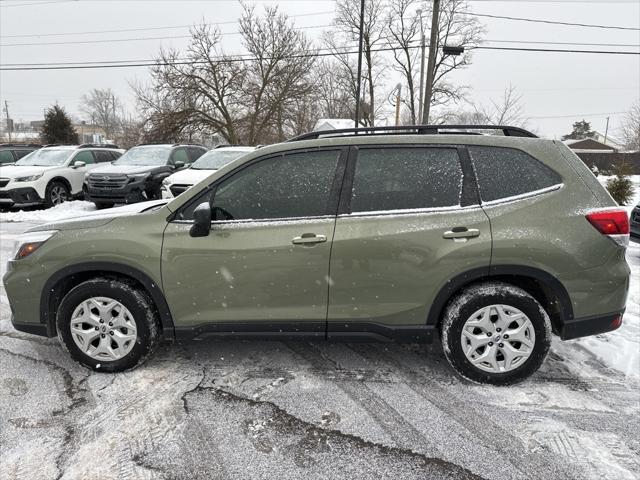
{"x": 103, "y": 156}
{"x": 507, "y": 172}
{"x": 406, "y": 178}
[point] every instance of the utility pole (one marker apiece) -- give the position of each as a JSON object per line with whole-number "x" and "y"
{"x": 9, "y": 125}
{"x": 606, "y": 131}
{"x": 398, "y": 97}
{"x": 423, "y": 47}
{"x": 357, "y": 119}
{"x": 433, "y": 52}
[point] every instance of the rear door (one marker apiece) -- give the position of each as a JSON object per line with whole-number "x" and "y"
{"x": 409, "y": 221}
{"x": 265, "y": 264}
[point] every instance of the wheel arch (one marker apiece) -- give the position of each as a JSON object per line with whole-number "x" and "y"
{"x": 542, "y": 285}
{"x": 58, "y": 178}
{"x": 61, "y": 282}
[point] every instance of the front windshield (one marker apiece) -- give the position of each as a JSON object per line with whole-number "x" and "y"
{"x": 45, "y": 158}
{"x": 216, "y": 159}
{"x": 153, "y": 156}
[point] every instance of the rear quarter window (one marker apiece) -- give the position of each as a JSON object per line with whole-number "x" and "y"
{"x": 509, "y": 172}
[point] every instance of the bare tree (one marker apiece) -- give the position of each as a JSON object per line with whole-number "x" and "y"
{"x": 244, "y": 100}
{"x": 507, "y": 110}
{"x": 345, "y": 35}
{"x": 278, "y": 78}
{"x": 102, "y": 108}
{"x": 404, "y": 31}
{"x": 630, "y": 128}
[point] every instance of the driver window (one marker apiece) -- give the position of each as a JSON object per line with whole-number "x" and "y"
{"x": 86, "y": 157}
{"x": 286, "y": 186}
{"x": 180, "y": 155}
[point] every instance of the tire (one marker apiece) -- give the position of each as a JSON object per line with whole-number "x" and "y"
{"x": 479, "y": 316}
{"x": 56, "y": 193}
{"x": 89, "y": 337}
{"x": 103, "y": 205}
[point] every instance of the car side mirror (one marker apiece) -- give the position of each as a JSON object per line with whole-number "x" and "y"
{"x": 178, "y": 165}
{"x": 201, "y": 220}
{"x": 78, "y": 164}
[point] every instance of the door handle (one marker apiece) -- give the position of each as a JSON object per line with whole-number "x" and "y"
{"x": 461, "y": 232}
{"x": 308, "y": 238}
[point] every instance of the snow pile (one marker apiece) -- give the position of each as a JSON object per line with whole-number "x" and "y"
{"x": 619, "y": 349}
{"x": 65, "y": 210}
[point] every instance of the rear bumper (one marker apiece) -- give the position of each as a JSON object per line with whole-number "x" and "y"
{"x": 583, "y": 327}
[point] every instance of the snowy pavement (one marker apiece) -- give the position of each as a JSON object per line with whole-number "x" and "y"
{"x": 250, "y": 409}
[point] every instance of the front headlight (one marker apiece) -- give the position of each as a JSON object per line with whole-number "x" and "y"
{"x": 137, "y": 177}
{"x": 166, "y": 182}
{"x": 30, "y": 178}
{"x": 28, "y": 243}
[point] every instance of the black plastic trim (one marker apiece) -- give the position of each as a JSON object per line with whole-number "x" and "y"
{"x": 31, "y": 328}
{"x": 102, "y": 268}
{"x": 585, "y": 326}
{"x": 487, "y": 273}
{"x": 372, "y": 331}
{"x": 257, "y": 329}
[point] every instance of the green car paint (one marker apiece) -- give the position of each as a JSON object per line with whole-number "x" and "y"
{"x": 394, "y": 269}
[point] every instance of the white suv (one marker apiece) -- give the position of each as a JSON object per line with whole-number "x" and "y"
{"x": 51, "y": 175}
{"x": 175, "y": 184}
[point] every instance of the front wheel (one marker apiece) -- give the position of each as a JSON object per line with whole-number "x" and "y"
{"x": 55, "y": 194}
{"x": 495, "y": 333}
{"x": 108, "y": 324}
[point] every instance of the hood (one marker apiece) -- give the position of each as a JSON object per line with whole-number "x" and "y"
{"x": 188, "y": 176}
{"x": 13, "y": 171}
{"x": 127, "y": 169}
{"x": 99, "y": 218}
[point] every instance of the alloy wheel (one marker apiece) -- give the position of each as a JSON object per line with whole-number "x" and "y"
{"x": 498, "y": 338}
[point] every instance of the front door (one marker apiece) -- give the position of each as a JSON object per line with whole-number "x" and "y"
{"x": 408, "y": 225}
{"x": 265, "y": 264}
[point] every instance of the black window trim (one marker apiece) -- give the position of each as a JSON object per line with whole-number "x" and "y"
{"x": 334, "y": 195}
{"x": 469, "y": 197}
{"x": 512, "y": 198}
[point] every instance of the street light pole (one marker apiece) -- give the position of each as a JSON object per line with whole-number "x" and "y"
{"x": 423, "y": 48}
{"x": 357, "y": 119}
{"x": 433, "y": 52}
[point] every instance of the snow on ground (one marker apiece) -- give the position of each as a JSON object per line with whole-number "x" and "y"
{"x": 620, "y": 349}
{"x": 75, "y": 208}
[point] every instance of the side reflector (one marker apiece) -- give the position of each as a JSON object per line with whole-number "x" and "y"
{"x": 616, "y": 322}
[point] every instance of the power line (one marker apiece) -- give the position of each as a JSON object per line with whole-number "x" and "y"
{"x": 169, "y": 27}
{"x": 578, "y": 115}
{"x": 553, "y": 22}
{"x": 240, "y": 58}
{"x": 35, "y": 3}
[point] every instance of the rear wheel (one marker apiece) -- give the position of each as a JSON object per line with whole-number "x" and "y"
{"x": 56, "y": 193}
{"x": 495, "y": 333}
{"x": 108, "y": 325}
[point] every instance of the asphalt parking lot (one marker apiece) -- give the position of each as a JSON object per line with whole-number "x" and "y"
{"x": 258, "y": 409}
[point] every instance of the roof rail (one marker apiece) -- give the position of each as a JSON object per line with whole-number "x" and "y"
{"x": 507, "y": 131}
{"x": 98, "y": 145}
{"x": 30, "y": 145}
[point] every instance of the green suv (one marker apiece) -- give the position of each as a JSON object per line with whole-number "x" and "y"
{"x": 491, "y": 241}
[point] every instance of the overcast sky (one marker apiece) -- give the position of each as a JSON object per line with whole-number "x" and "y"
{"x": 557, "y": 88}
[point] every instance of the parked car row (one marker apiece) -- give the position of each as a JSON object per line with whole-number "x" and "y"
{"x": 105, "y": 174}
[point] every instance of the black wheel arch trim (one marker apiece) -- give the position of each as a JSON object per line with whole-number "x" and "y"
{"x": 157, "y": 295}
{"x": 487, "y": 273}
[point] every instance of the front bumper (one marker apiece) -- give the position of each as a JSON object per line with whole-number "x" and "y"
{"x": 583, "y": 327}
{"x": 31, "y": 328}
{"x": 132, "y": 192}
{"x": 20, "y": 196}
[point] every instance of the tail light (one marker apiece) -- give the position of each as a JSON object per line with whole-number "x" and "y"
{"x": 614, "y": 223}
